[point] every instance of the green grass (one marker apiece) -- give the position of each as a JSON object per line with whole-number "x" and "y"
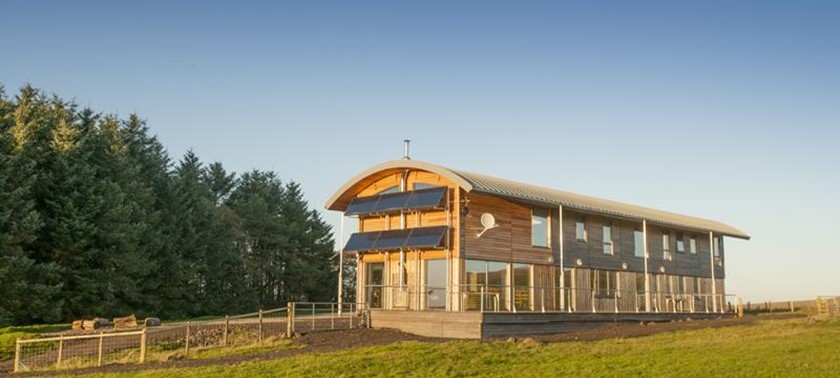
{"x": 790, "y": 347}
{"x": 8, "y": 335}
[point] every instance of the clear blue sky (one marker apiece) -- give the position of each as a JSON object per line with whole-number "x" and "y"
{"x": 724, "y": 110}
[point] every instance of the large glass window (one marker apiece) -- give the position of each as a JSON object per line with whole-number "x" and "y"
{"x": 580, "y": 230}
{"x": 490, "y": 278}
{"x": 539, "y": 227}
{"x": 497, "y": 285}
{"x": 666, "y": 246}
{"x": 608, "y": 243}
{"x": 522, "y": 286}
{"x": 639, "y": 243}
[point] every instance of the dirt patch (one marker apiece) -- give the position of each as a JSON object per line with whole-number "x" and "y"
{"x": 329, "y": 341}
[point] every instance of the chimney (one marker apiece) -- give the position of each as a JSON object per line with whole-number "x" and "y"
{"x": 405, "y": 154}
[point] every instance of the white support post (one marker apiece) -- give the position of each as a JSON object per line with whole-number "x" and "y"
{"x": 712, "y": 260}
{"x": 340, "y": 261}
{"x": 562, "y": 267}
{"x": 448, "y": 289}
{"x": 647, "y": 273}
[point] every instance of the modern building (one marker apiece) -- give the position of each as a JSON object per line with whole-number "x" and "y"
{"x": 437, "y": 239}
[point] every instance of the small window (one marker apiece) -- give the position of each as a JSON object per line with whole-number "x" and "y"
{"x": 680, "y": 243}
{"x": 393, "y": 189}
{"x": 580, "y": 230}
{"x": 639, "y": 243}
{"x": 608, "y": 243}
{"x": 423, "y": 185}
{"x": 539, "y": 227}
{"x": 692, "y": 245}
{"x": 666, "y": 246}
{"x": 716, "y": 246}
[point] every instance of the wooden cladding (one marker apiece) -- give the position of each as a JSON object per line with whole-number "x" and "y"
{"x": 511, "y": 240}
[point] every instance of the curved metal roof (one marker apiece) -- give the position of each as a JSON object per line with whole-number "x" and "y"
{"x": 479, "y": 183}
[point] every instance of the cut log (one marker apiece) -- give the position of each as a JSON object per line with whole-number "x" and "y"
{"x": 125, "y": 322}
{"x": 102, "y": 322}
{"x": 152, "y": 322}
{"x": 77, "y": 325}
{"x": 88, "y": 325}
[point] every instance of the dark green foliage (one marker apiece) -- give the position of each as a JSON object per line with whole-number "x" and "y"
{"x": 96, "y": 221}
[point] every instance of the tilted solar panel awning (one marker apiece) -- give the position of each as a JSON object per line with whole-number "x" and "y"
{"x": 392, "y": 202}
{"x": 392, "y": 240}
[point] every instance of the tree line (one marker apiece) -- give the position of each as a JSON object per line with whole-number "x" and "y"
{"x": 97, "y": 220}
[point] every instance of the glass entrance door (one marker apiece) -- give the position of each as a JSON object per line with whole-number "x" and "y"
{"x": 436, "y": 284}
{"x": 375, "y": 280}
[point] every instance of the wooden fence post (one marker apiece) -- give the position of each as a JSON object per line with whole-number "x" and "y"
{"x": 740, "y": 308}
{"x": 260, "y": 337}
{"x": 187, "y": 341}
{"x": 143, "y": 346}
{"x": 60, "y": 349}
{"x": 227, "y": 326}
{"x": 290, "y": 319}
{"x": 17, "y": 355}
{"x": 99, "y": 352}
{"x": 792, "y": 308}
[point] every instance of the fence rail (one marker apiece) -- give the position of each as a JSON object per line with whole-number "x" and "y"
{"x": 183, "y": 338}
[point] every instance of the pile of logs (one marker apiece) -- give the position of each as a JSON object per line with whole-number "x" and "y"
{"x": 125, "y": 322}
{"x": 95, "y": 323}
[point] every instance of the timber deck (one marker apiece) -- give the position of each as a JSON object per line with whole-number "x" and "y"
{"x": 478, "y": 325}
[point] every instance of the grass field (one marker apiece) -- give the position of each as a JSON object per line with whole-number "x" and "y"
{"x": 786, "y": 347}
{"x": 8, "y": 335}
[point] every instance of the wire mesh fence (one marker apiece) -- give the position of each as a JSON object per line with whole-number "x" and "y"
{"x": 181, "y": 339}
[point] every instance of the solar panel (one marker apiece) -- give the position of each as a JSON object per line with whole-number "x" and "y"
{"x": 362, "y": 205}
{"x": 410, "y": 238}
{"x": 390, "y": 240}
{"x": 426, "y": 198}
{"x": 361, "y": 241}
{"x": 425, "y": 237}
{"x": 391, "y": 202}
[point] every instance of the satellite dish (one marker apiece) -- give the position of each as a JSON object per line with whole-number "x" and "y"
{"x": 488, "y": 221}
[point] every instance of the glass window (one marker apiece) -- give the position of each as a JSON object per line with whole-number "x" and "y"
{"x": 639, "y": 243}
{"x": 716, "y": 246}
{"x": 522, "y": 286}
{"x": 476, "y": 274}
{"x": 680, "y": 243}
{"x": 393, "y": 189}
{"x": 435, "y": 283}
{"x": 423, "y": 185}
{"x": 692, "y": 245}
{"x": 580, "y": 230}
{"x": 497, "y": 274}
{"x": 539, "y": 227}
{"x": 608, "y": 243}
{"x": 604, "y": 282}
{"x": 375, "y": 280}
{"x": 666, "y": 246}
